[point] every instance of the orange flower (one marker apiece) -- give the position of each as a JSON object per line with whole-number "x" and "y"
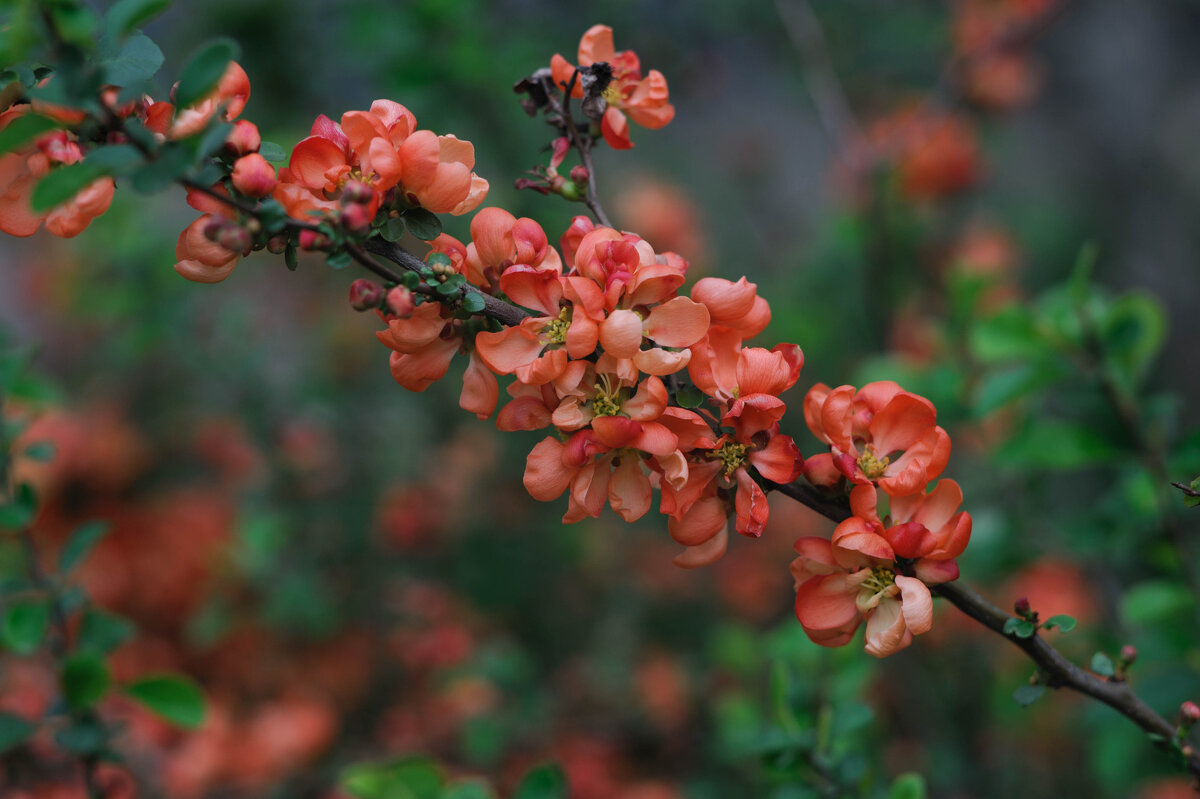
{"x": 643, "y": 99}
{"x": 201, "y": 259}
{"x": 228, "y": 97}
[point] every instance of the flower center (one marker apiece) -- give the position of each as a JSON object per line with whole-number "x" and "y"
{"x": 872, "y": 466}
{"x": 556, "y": 331}
{"x": 606, "y": 400}
{"x": 881, "y": 579}
{"x": 612, "y": 94}
{"x": 732, "y": 456}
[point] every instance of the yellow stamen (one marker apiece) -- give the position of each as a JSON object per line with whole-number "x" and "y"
{"x": 732, "y": 455}
{"x": 872, "y": 466}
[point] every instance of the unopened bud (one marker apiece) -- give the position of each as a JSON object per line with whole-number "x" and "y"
{"x": 244, "y": 138}
{"x": 253, "y": 176}
{"x": 1128, "y": 654}
{"x": 356, "y": 192}
{"x": 365, "y": 294}
{"x": 277, "y": 244}
{"x": 579, "y": 175}
{"x": 234, "y": 238}
{"x": 213, "y": 227}
{"x": 400, "y": 302}
{"x": 312, "y": 240}
{"x": 1189, "y": 713}
{"x": 356, "y": 218}
{"x": 1021, "y": 607}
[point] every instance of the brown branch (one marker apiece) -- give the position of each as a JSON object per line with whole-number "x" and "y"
{"x": 584, "y": 147}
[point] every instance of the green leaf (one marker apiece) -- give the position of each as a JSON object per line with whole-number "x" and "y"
{"x": 172, "y": 163}
{"x": 80, "y": 544}
{"x": 125, "y": 15}
{"x": 1010, "y": 334}
{"x": 393, "y": 229}
{"x": 102, "y": 632}
{"x": 1133, "y": 331}
{"x": 75, "y": 23}
{"x": 471, "y": 789}
{"x": 25, "y": 625}
{"x": 1055, "y": 445}
{"x": 339, "y": 260}
{"x": 84, "y": 679}
{"x": 61, "y": 184}
{"x": 40, "y": 451}
{"x": 689, "y": 397}
{"x": 1152, "y": 601}
{"x": 14, "y": 731}
{"x": 451, "y": 286}
{"x": 407, "y": 778}
{"x": 204, "y": 70}
{"x": 290, "y": 257}
{"x": 1027, "y": 694}
{"x": 174, "y": 697}
{"x": 1192, "y": 501}
{"x": 23, "y": 130}
{"x": 116, "y": 159}
{"x": 473, "y": 302}
{"x": 15, "y": 516}
{"x": 543, "y": 782}
{"x": 438, "y": 258}
{"x": 272, "y": 151}
{"x": 908, "y": 786}
{"x": 1062, "y": 621}
{"x": 1102, "y": 664}
{"x": 998, "y": 388}
{"x": 136, "y": 62}
{"x": 1021, "y": 628}
{"x": 423, "y": 224}
{"x": 213, "y": 140}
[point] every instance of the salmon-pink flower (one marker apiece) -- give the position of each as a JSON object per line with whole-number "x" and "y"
{"x": 928, "y": 529}
{"x": 253, "y": 176}
{"x": 879, "y": 433}
{"x": 644, "y": 99}
{"x": 200, "y": 259}
{"x": 733, "y": 305}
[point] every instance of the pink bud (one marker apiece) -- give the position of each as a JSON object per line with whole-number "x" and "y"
{"x": 1189, "y": 713}
{"x": 1021, "y": 607}
{"x": 365, "y": 294}
{"x": 253, "y": 176}
{"x": 244, "y": 138}
{"x": 234, "y": 238}
{"x": 277, "y": 244}
{"x": 400, "y": 302}
{"x": 1128, "y": 654}
{"x": 356, "y": 218}
{"x": 579, "y": 175}
{"x": 357, "y": 192}
{"x": 213, "y": 227}
{"x": 312, "y": 240}
{"x": 561, "y": 146}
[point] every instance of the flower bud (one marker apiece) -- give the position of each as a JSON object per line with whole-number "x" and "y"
{"x": 1128, "y": 654}
{"x": 277, "y": 244}
{"x": 1021, "y": 607}
{"x": 365, "y": 294}
{"x": 213, "y": 227}
{"x": 244, "y": 138}
{"x": 356, "y": 218}
{"x": 579, "y": 175}
{"x": 253, "y": 176}
{"x": 355, "y": 192}
{"x": 400, "y": 302}
{"x": 234, "y": 238}
{"x": 1189, "y": 714}
{"x": 312, "y": 240}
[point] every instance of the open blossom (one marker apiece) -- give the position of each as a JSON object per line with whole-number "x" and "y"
{"x": 382, "y": 149}
{"x": 20, "y": 172}
{"x": 879, "y": 433}
{"x": 228, "y": 98}
{"x": 644, "y": 99}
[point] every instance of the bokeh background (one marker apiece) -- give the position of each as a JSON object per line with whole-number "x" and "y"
{"x": 355, "y": 573}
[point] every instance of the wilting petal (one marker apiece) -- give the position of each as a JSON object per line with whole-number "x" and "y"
{"x": 916, "y": 603}
{"x": 480, "y": 390}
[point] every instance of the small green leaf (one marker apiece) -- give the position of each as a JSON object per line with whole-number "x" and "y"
{"x": 438, "y": 259}
{"x": 339, "y": 260}
{"x": 1189, "y": 500}
{"x": 15, "y": 516}
{"x": 908, "y": 786}
{"x": 102, "y": 632}
{"x": 473, "y": 302}
{"x": 1021, "y": 628}
{"x": 172, "y": 163}
{"x": 203, "y": 70}
{"x": 407, "y": 778}
{"x": 449, "y": 288}
{"x": 393, "y": 229}
{"x": 174, "y": 697}
{"x": 23, "y": 130}
{"x": 84, "y": 679}
{"x": 75, "y": 23}
{"x": 61, "y": 184}
{"x": 40, "y": 451}
{"x": 423, "y": 224}
{"x": 125, "y": 15}
{"x": 80, "y": 544}
{"x": 1102, "y": 664}
{"x": 116, "y": 159}
{"x": 14, "y": 731}
{"x": 25, "y": 625}
{"x": 543, "y": 782}
{"x": 1027, "y": 694}
{"x": 290, "y": 257}
{"x": 1062, "y": 621}
{"x": 136, "y": 62}
{"x": 272, "y": 152}
{"x": 689, "y": 397}
{"x": 213, "y": 140}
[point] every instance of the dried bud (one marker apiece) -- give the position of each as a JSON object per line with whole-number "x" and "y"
{"x": 312, "y": 240}
{"x": 365, "y": 294}
{"x": 1021, "y": 607}
{"x": 400, "y": 302}
{"x": 356, "y": 192}
{"x": 356, "y": 218}
{"x": 1189, "y": 714}
{"x": 244, "y": 138}
{"x": 535, "y": 87}
{"x": 1128, "y": 654}
{"x": 234, "y": 238}
{"x": 277, "y": 244}
{"x": 253, "y": 176}
{"x": 579, "y": 175}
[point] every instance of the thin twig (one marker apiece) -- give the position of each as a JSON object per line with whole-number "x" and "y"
{"x": 591, "y": 198}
